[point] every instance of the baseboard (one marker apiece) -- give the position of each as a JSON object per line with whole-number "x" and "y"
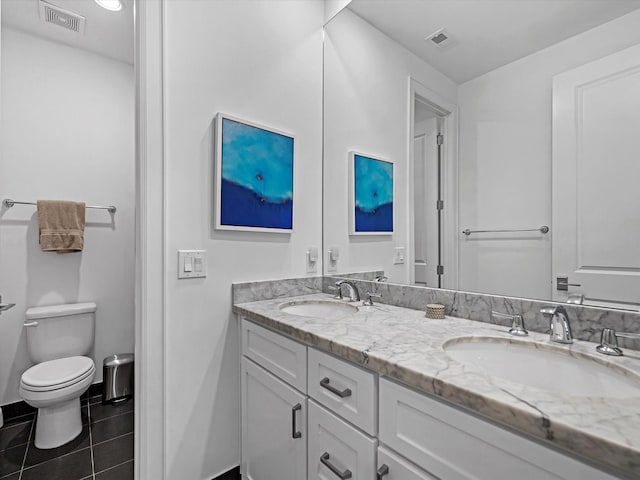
{"x": 15, "y": 410}
{"x": 19, "y": 409}
{"x": 94, "y": 390}
{"x": 233, "y": 474}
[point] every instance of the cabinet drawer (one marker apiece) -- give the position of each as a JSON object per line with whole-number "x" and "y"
{"x": 347, "y": 390}
{"x": 393, "y": 467}
{"x": 283, "y": 357}
{"x": 454, "y": 445}
{"x": 336, "y": 449}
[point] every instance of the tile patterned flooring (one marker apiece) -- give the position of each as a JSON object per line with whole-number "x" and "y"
{"x": 103, "y": 451}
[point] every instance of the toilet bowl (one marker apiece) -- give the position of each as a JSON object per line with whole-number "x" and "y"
{"x": 54, "y": 388}
{"x": 58, "y": 338}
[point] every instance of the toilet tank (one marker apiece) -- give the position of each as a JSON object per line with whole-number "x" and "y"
{"x": 59, "y": 331}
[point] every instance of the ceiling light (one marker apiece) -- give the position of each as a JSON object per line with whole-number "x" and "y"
{"x": 113, "y": 5}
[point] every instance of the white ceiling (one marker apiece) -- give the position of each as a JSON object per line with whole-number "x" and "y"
{"x": 106, "y": 33}
{"x": 485, "y": 34}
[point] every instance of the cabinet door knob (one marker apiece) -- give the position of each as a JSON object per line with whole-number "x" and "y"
{"x": 382, "y": 471}
{"x": 341, "y": 475}
{"x": 294, "y": 428}
{"x": 325, "y": 383}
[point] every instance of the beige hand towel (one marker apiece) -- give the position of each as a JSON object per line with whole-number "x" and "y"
{"x": 61, "y": 226}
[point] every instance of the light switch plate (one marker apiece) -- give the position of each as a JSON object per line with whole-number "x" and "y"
{"x": 332, "y": 265}
{"x": 312, "y": 260}
{"x": 192, "y": 263}
{"x": 398, "y": 255}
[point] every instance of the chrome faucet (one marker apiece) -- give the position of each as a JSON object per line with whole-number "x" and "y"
{"x": 354, "y": 294}
{"x": 560, "y": 328}
{"x": 576, "y": 298}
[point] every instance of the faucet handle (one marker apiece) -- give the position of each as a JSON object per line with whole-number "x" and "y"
{"x": 517, "y": 323}
{"x": 338, "y": 291}
{"x": 370, "y": 296}
{"x": 5, "y": 306}
{"x": 609, "y": 341}
{"x": 517, "y": 327}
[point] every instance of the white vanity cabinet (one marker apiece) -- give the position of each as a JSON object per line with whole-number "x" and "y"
{"x": 356, "y": 425}
{"x": 274, "y": 413}
{"x": 274, "y": 427}
{"x": 455, "y": 445}
{"x": 392, "y": 466}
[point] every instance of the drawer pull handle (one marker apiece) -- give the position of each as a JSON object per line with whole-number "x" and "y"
{"x": 294, "y": 429}
{"x": 341, "y": 475}
{"x": 382, "y": 471}
{"x": 341, "y": 393}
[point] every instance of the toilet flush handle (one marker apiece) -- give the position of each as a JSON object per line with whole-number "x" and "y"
{"x": 31, "y": 324}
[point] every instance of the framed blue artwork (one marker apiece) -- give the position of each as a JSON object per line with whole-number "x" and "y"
{"x": 254, "y": 177}
{"x": 370, "y": 195}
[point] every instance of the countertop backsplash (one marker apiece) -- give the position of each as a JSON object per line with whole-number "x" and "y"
{"x": 586, "y": 322}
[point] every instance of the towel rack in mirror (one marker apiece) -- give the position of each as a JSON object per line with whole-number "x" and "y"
{"x": 542, "y": 229}
{"x": 10, "y": 203}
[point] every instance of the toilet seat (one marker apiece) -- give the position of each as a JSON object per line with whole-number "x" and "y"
{"x": 57, "y": 374}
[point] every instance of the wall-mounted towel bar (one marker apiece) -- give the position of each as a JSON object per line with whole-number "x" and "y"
{"x": 542, "y": 229}
{"x": 10, "y": 203}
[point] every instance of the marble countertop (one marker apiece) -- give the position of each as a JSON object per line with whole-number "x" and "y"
{"x": 402, "y": 344}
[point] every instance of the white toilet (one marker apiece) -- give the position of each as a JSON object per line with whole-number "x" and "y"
{"x": 58, "y": 337}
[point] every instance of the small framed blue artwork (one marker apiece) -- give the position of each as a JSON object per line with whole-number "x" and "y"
{"x": 370, "y": 195}
{"x": 254, "y": 177}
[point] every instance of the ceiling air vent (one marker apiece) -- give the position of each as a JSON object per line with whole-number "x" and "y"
{"x": 61, "y": 17}
{"x": 440, "y": 38}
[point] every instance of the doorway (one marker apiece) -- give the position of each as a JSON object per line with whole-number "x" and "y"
{"x": 427, "y": 194}
{"x": 68, "y": 132}
{"x": 432, "y": 180}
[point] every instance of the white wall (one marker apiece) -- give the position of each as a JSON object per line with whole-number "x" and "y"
{"x": 367, "y": 110}
{"x": 67, "y": 133}
{"x": 333, "y": 7}
{"x": 262, "y": 61}
{"x": 505, "y": 161}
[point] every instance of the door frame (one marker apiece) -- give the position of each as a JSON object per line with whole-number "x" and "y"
{"x": 449, "y": 234}
{"x": 150, "y": 265}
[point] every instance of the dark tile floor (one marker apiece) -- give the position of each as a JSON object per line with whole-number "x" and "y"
{"x": 103, "y": 451}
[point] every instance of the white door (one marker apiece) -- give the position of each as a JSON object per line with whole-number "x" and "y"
{"x": 274, "y": 427}
{"x": 596, "y": 180}
{"x": 426, "y": 193}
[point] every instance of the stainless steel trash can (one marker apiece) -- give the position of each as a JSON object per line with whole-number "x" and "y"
{"x": 117, "y": 378}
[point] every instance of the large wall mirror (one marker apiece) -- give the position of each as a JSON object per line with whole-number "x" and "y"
{"x": 512, "y": 128}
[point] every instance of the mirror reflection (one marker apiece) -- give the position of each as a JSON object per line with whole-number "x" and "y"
{"x": 512, "y": 129}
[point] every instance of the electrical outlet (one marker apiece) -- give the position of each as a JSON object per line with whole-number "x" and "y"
{"x": 398, "y": 255}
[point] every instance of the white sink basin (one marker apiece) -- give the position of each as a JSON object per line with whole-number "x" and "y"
{"x": 318, "y": 308}
{"x": 546, "y": 367}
